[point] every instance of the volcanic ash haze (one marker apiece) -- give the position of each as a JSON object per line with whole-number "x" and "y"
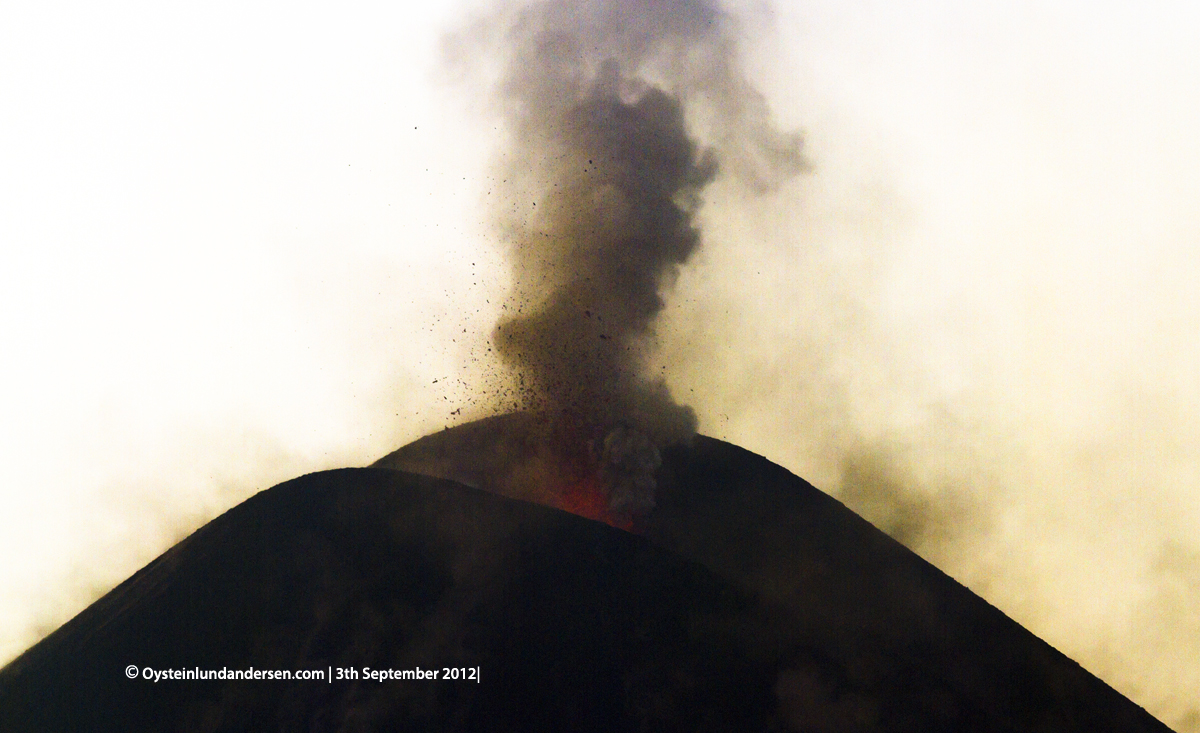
{"x": 598, "y": 191}
{"x": 975, "y": 324}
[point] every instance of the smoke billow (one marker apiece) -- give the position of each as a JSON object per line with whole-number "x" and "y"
{"x": 611, "y": 230}
{"x": 599, "y": 188}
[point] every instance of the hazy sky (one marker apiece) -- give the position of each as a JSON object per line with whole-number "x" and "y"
{"x": 240, "y": 241}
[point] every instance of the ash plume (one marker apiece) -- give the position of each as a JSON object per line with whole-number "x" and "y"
{"x": 613, "y": 228}
{"x": 619, "y": 115}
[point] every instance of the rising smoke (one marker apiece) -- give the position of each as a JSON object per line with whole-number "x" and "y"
{"x": 599, "y": 189}
{"x": 614, "y": 225}
{"x": 1024, "y": 178}
{"x": 943, "y": 428}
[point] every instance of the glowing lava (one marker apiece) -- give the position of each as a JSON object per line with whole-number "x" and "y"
{"x": 588, "y": 498}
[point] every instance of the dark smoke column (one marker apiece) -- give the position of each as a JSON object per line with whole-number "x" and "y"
{"x": 609, "y": 233}
{"x": 600, "y": 185}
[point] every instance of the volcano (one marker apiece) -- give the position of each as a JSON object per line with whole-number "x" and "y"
{"x": 744, "y": 599}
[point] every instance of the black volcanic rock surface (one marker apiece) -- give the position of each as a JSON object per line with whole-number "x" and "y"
{"x": 749, "y": 601}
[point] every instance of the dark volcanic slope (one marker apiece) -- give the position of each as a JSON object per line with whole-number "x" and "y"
{"x": 899, "y": 642}
{"x": 752, "y": 602}
{"x": 575, "y": 626}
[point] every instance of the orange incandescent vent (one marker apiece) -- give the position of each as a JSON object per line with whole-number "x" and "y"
{"x": 587, "y": 498}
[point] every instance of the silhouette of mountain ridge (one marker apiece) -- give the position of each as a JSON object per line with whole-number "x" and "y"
{"x": 747, "y": 600}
